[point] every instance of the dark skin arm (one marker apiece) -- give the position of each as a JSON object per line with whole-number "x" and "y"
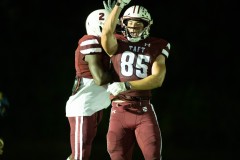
{"x": 100, "y": 76}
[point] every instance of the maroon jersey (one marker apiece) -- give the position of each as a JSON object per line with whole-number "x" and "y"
{"x": 87, "y": 45}
{"x": 134, "y": 60}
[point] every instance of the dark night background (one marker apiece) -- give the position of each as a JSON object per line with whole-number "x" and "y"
{"x": 197, "y": 106}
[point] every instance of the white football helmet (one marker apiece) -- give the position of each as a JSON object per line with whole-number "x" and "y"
{"x": 95, "y": 21}
{"x": 137, "y": 12}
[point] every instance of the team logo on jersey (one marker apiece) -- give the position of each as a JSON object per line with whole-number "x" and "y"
{"x": 147, "y": 44}
{"x": 144, "y": 109}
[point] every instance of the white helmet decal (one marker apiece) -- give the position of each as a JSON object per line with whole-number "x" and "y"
{"x": 95, "y": 21}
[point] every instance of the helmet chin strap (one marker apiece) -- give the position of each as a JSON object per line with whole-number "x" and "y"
{"x": 134, "y": 39}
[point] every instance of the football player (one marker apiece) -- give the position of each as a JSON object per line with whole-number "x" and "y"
{"x": 139, "y": 63}
{"x": 84, "y": 107}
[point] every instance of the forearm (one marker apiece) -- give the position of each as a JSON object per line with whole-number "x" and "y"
{"x": 112, "y": 21}
{"x": 106, "y": 78}
{"x": 148, "y": 83}
{"x": 108, "y": 40}
{"x": 154, "y": 80}
{"x": 101, "y": 78}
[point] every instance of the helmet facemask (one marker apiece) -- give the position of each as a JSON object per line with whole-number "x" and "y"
{"x": 137, "y": 35}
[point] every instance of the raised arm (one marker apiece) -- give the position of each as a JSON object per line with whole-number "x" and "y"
{"x": 108, "y": 40}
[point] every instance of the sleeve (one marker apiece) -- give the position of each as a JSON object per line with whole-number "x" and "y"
{"x": 166, "y": 50}
{"x": 90, "y": 45}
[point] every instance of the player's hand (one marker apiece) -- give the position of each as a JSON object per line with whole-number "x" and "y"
{"x": 123, "y": 3}
{"x": 109, "y": 5}
{"x": 1, "y": 146}
{"x": 116, "y": 88}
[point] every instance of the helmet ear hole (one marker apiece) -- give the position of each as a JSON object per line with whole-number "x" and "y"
{"x": 100, "y": 29}
{"x": 125, "y": 21}
{"x": 145, "y": 23}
